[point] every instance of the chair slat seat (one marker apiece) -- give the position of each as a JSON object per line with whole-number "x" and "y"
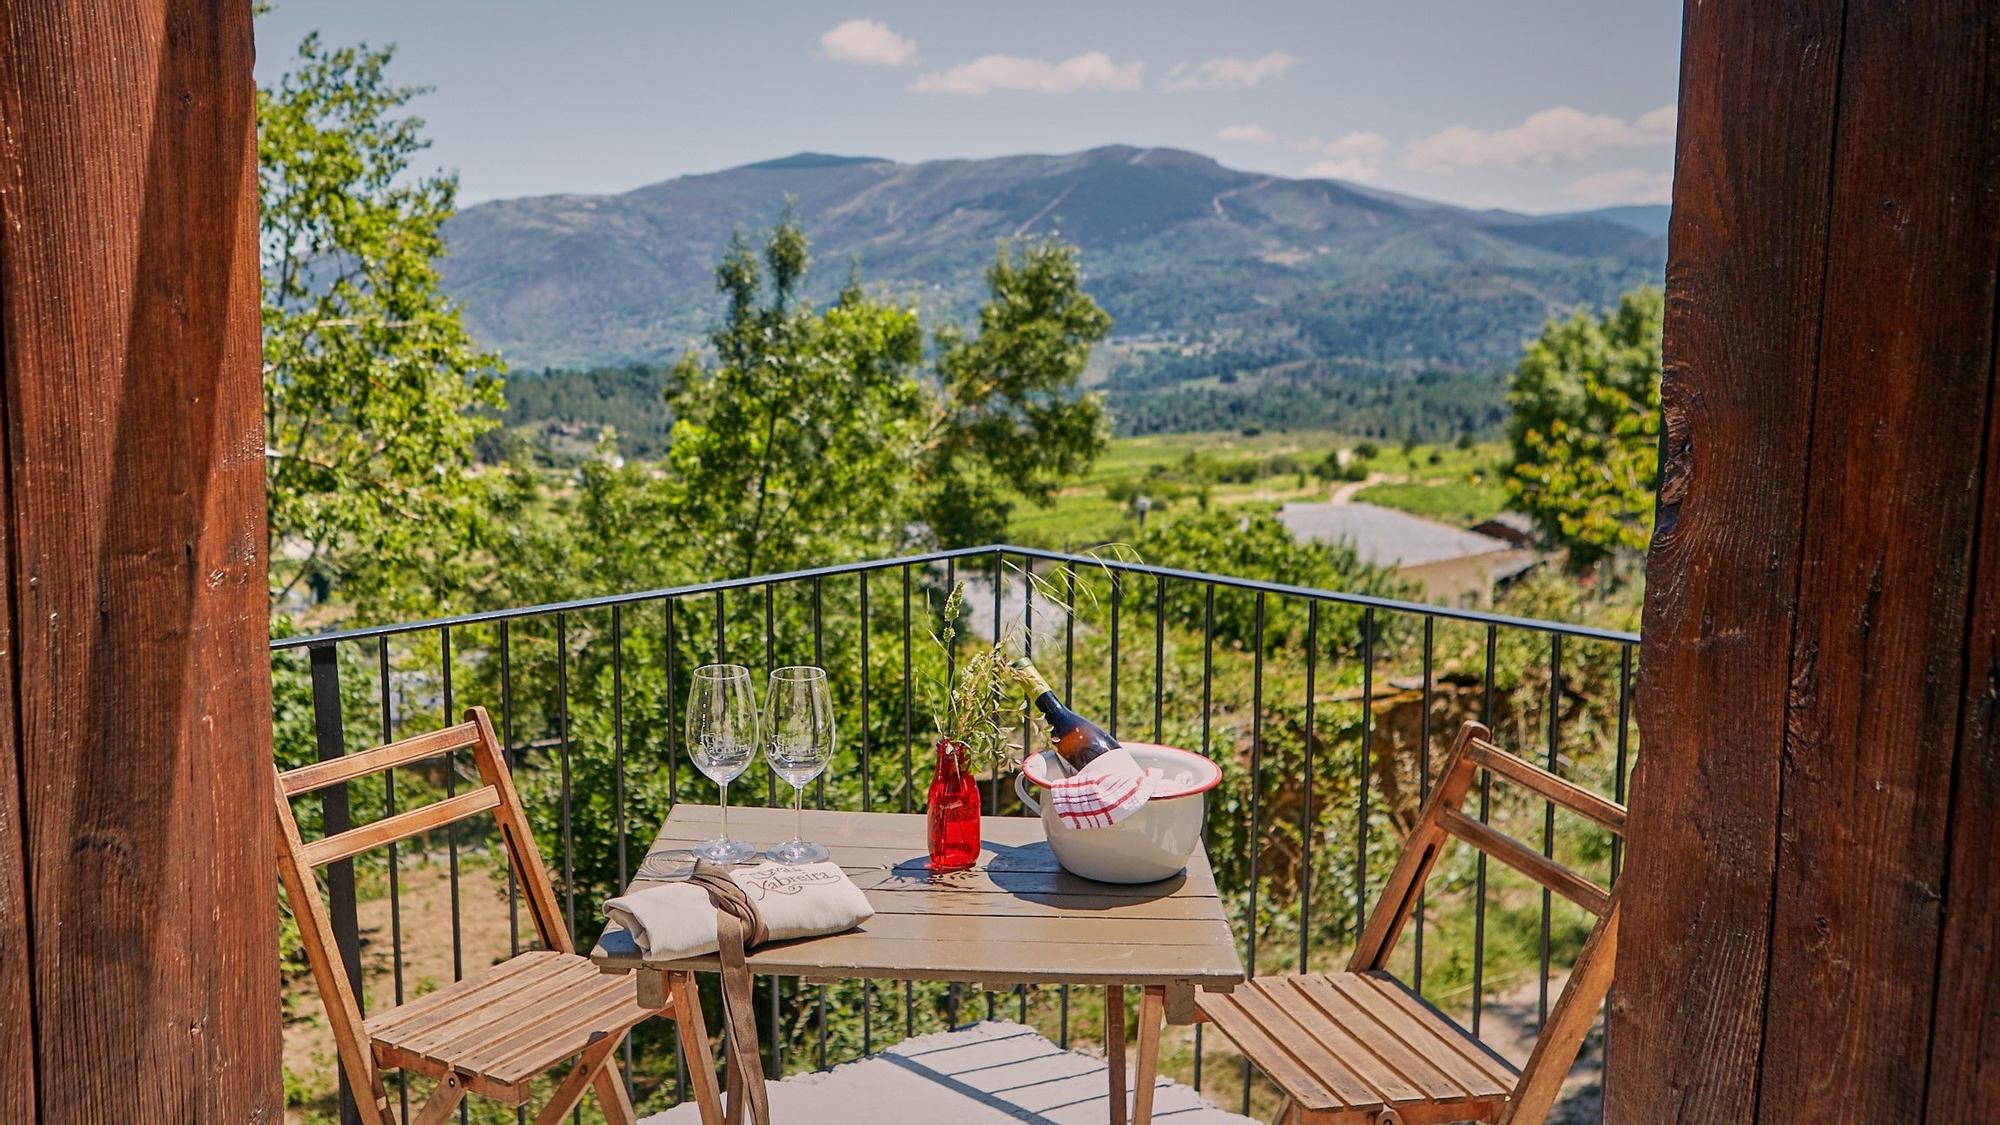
{"x": 502, "y": 1027}
{"x": 1349, "y": 1045}
{"x": 1360, "y": 1046}
{"x": 493, "y": 1032}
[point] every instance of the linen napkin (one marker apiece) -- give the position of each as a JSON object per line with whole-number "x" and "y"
{"x": 671, "y": 921}
{"x": 1109, "y": 789}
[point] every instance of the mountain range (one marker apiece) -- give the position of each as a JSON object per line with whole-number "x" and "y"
{"x": 1214, "y": 276}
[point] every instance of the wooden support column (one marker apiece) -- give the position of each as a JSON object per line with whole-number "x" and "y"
{"x": 1811, "y": 931}
{"x": 138, "y": 972}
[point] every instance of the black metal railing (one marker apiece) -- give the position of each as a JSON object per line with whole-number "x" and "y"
{"x": 1324, "y": 708}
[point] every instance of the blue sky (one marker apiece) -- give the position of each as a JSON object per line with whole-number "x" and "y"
{"x": 1533, "y": 105}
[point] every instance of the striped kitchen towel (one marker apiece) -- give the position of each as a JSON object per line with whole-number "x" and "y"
{"x": 1107, "y": 791}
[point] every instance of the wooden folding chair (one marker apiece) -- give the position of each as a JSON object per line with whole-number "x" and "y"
{"x": 494, "y": 1032}
{"x": 1359, "y": 1046}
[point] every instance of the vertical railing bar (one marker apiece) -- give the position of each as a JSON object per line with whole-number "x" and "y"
{"x": 1207, "y": 686}
{"x": 993, "y": 782}
{"x": 819, "y": 661}
{"x": 1618, "y": 794}
{"x": 506, "y": 759}
{"x": 1549, "y": 816}
{"x": 330, "y": 741}
{"x": 673, "y": 731}
{"x": 909, "y": 990}
{"x": 907, "y": 786}
{"x": 1117, "y": 596}
{"x": 562, "y": 740}
{"x": 507, "y": 756}
{"x": 1256, "y": 801}
{"x": 819, "y": 797}
{"x": 867, "y": 805}
{"x": 618, "y": 738}
{"x": 1367, "y": 767}
{"x": 1069, "y": 692}
{"x": 867, "y": 779}
{"x": 1423, "y": 793}
{"x": 618, "y": 781}
{"x": 1306, "y": 802}
{"x": 451, "y": 832}
{"x": 1485, "y": 810}
{"x": 1027, "y": 728}
{"x": 395, "y": 880}
{"x": 721, "y": 625}
{"x": 770, "y": 779}
{"x": 1159, "y": 655}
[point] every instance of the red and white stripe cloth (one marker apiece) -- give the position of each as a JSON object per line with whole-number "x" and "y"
{"x": 1107, "y": 791}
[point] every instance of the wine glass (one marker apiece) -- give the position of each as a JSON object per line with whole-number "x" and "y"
{"x": 798, "y": 742}
{"x": 722, "y": 740}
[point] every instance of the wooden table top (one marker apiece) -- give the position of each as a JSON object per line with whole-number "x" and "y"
{"x": 1016, "y": 917}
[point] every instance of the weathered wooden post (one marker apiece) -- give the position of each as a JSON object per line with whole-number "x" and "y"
{"x": 138, "y": 975}
{"x": 1811, "y": 925}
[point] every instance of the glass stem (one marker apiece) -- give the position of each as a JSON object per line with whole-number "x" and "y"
{"x": 725, "y": 810}
{"x": 799, "y": 814}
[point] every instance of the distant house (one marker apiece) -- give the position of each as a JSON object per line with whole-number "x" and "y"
{"x": 1451, "y": 564}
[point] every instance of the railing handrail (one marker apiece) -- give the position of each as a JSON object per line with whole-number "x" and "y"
{"x": 336, "y": 636}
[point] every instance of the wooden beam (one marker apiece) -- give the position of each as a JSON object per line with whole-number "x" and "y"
{"x": 1964, "y": 1069}
{"x": 134, "y": 509}
{"x": 1877, "y": 657}
{"x": 1819, "y": 667}
{"x": 1745, "y": 274}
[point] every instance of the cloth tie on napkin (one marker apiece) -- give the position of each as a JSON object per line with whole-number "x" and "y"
{"x": 1109, "y": 789}
{"x": 728, "y": 911}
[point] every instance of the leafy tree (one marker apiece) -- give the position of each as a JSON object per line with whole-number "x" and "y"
{"x": 800, "y": 434}
{"x": 1009, "y": 417}
{"x": 374, "y": 393}
{"x": 810, "y": 431}
{"x": 1586, "y": 428}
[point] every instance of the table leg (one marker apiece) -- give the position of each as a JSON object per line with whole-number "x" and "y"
{"x": 693, "y": 1032}
{"x": 1114, "y": 1048}
{"x": 1152, "y": 1018}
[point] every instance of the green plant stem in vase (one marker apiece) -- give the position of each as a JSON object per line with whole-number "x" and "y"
{"x": 973, "y": 712}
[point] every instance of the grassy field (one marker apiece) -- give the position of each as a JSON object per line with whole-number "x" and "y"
{"x": 1179, "y": 472}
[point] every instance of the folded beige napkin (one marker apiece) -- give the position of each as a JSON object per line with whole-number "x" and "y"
{"x": 676, "y": 920}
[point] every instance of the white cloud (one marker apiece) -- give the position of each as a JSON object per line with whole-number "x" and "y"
{"x": 1092, "y": 70}
{"x": 1227, "y": 73}
{"x": 1247, "y": 134}
{"x": 1351, "y": 156}
{"x": 1552, "y": 136}
{"x": 1627, "y": 185}
{"x": 867, "y": 43}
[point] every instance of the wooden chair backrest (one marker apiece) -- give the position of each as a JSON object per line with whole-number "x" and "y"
{"x": 297, "y": 859}
{"x": 1442, "y": 819}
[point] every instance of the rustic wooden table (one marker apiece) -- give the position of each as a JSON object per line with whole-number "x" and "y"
{"x": 1015, "y": 918}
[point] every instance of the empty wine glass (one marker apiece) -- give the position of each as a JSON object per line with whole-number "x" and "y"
{"x": 722, "y": 740}
{"x": 798, "y": 742}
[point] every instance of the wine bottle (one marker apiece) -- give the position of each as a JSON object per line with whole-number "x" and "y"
{"x": 1078, "y": 741}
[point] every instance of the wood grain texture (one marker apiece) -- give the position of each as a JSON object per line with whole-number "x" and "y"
{"x": 1965, "y": 1036}
{"x": 17, "y": 1047}
{"x": 135, "y": 504}
{"x": 1877, "y": 657}
{"x": 1745, "y": 276}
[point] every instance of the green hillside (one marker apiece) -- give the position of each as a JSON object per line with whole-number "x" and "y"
{"x": 1239, "y": 274}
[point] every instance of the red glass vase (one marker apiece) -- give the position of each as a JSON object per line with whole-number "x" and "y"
{"x": 953, "y": 811}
